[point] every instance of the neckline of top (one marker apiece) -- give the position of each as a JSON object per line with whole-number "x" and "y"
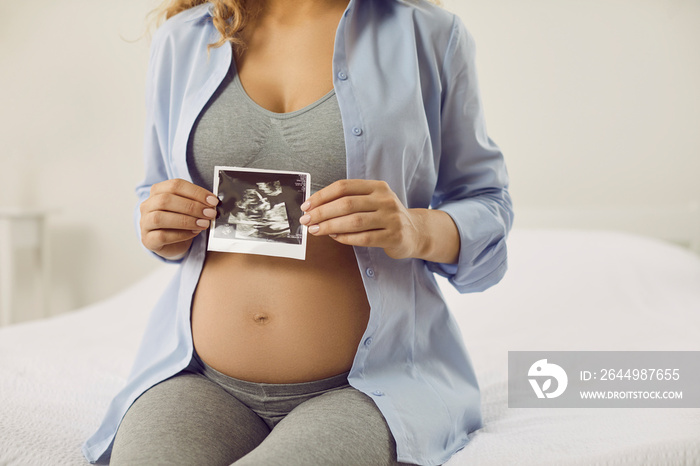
{"x": 270, "y": 113}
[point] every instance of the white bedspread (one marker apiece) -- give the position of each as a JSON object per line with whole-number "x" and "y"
{"x": 565, "y": 290}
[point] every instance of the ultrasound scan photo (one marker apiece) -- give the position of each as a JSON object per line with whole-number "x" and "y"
{"x": 259, "y": 211}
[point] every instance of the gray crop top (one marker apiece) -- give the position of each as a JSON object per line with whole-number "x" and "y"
{"x": 233, "y": 130}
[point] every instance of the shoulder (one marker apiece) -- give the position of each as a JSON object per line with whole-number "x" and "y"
{"x": 431, "y": 18}
{"x": 445, "y": 26}
{"x": 178, "y": 47}
{"x": 434, "y": 28}
{"x": 183, "y": 28}
{"x": 453, "y": 43}
{"x": 435, "y": 15}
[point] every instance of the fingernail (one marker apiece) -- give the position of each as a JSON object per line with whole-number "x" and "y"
{"x": 211, "y": 200}
{"x": 305, "y": 219}
{"x": 314, "y": 229}
{"x": 203, "y": 223}
{"x": 211, "y": 213}
{"x": 305, "y": 206}
{"x": 333, "y": 235}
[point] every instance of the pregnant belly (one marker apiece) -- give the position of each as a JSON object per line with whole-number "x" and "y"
{"x": 276, "y": 320}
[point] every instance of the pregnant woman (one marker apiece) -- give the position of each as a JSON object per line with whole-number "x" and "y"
{"x": 351, "y": 355}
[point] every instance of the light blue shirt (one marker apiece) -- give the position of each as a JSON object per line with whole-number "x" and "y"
{"x": 404, "y": 76}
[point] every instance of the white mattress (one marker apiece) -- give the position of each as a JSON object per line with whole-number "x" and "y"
{"x": 565, "y": 290}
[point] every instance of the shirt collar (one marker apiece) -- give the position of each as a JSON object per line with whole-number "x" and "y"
{"x": 201, "y": 11}
{"x": 206, "y": 10}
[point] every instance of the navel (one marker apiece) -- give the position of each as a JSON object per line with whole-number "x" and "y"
{"x": 261, "y": 318}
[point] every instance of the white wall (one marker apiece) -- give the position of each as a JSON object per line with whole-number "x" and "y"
{"x": 595, "y": 103}
{"x": 71, "y": 122}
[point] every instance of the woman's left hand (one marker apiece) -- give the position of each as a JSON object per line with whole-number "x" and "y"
{"x": 365, "y": 213}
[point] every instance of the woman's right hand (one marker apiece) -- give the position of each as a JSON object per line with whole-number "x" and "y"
{"x": 175, "y": 212}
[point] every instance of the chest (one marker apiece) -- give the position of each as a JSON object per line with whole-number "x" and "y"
{"x": 233, "y": 130}
{"x": 286, "y": 68}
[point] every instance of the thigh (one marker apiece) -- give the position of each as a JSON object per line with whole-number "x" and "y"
{"x": 186, "y": 419}
{"x": 340, "y": 427}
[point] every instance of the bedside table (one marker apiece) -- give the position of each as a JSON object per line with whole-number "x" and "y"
{"x": 22, "y": 232}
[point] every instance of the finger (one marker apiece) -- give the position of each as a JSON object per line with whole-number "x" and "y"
{"x": 338, "y": 189}
{"x": 358, "y": 222}
{"x": 377, "y": 239}
{"x": 156, "y": 240}
{"x": 371, "y": 238}
{"x": 338, "y": 208}
{"x": 177, "y": 204}
{"x": 162, "y": 220}
{"x": 185, "y": 189}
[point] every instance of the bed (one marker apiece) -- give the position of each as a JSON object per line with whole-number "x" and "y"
{"x": 565, "y": 290}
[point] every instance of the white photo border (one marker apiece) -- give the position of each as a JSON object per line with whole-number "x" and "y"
{"x": 248, "y": 246}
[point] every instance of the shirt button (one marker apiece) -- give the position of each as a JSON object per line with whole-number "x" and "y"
{"x": 369, "y": 272}
{"x": 357, "y": 131}
{"x": 342, "y": 76}
{"x": 378, "y": 393}
{"x": 368, "y": 341}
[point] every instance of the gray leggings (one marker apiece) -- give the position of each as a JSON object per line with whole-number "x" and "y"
{"x": 201, "y": 416}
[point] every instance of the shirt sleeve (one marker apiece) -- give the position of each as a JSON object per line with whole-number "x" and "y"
{"x": 155, "y": 143}
{"x": 472, "y": 185}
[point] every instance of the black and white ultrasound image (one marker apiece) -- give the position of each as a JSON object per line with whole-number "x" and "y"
{"x": 260, "y": 206}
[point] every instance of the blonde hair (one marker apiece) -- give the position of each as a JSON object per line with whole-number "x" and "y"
{"x": 229, "y": 16}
